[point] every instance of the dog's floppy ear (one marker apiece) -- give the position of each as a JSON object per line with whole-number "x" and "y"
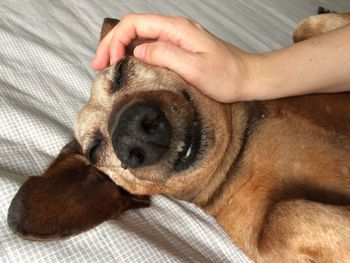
{"x": 72, "y": 196}
{"x": 108, "y": 24}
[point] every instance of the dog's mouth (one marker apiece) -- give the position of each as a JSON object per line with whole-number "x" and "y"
{"x": 191, "y": 146}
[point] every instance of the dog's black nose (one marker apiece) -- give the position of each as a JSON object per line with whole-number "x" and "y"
{"x": 142, "y": 135}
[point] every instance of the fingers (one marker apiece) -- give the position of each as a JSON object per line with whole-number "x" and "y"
{"x": 164, "y": 54}
{"x": 101, "y": 59}
{"x": 176, "y": 30}
{"x": 169, "y": 29}
{"x": 183, "y": 46}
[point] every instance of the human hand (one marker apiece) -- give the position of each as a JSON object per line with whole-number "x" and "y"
{"x": 217, "y": 68}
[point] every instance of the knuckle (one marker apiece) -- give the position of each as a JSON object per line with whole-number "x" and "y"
{"x": 162, "y": 49}
{"x": 150, "y": 51}
{"x": 188, "y": 24}
{"x": 153, "y": 51}
{"x": 197, "y": 25}
{"x": 183, "y": 21}
{"x": 129, "y": 16}
{"x": 132, "y": 18}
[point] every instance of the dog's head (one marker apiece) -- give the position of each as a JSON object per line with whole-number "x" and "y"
{"x": 151, "y": 132}
{"x": 145, "y": 129}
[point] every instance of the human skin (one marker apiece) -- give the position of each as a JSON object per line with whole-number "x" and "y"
{"x": 225, "y": 72}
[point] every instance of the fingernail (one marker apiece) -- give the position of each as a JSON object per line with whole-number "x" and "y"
{"x": 92, "y": 64}
{"x": 95, "y": 65}
{"x": 140, "y": 51}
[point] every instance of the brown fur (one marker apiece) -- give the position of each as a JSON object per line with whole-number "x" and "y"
{"x": 108, "y": 25}
{"x": 275, "y": 174}
{"x": 72, "y": 196}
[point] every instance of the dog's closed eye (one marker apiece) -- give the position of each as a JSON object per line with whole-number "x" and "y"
{"x": 94, "y": 148}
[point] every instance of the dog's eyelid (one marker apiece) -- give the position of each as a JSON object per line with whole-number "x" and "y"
{"x": 93, "y": 148}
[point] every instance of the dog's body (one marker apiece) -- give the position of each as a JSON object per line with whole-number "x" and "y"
{"x": 285, "y": 197}
{"x": 275, "y": 174}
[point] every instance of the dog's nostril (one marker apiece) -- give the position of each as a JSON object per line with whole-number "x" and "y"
{"x": 142, "y": 135}
{"x": 136, "y": 157}
{"x": 150, "y": 125}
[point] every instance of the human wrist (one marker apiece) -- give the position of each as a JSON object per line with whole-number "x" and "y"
{"x": 265, "y": 76}
{"x": 252, "y": 76}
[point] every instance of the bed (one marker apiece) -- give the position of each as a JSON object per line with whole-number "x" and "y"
{"x": 45, "y": 78}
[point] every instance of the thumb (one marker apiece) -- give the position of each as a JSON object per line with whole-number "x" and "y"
{"x": 168, "y": 55}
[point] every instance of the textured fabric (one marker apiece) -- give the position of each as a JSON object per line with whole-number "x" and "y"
{"x": 45, "y": 51}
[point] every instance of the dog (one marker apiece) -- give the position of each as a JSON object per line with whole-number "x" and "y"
{"x": 275, "y": 174}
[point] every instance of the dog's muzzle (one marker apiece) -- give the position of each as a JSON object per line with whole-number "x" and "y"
{"x": 141, "y": 135}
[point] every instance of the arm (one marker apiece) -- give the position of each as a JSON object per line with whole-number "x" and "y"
{"x": 316, "y": 65}
{"x": 225, "y": 72}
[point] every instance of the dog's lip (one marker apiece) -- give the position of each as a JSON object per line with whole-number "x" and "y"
{"x": 192, "y": 145}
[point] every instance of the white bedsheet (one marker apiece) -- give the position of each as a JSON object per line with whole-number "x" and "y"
{"x": 45, "y": 78}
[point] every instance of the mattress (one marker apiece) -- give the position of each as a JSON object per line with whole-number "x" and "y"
{"x": 45, "y": 79}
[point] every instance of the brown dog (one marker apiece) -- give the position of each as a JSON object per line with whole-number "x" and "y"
{"x": 275, "y": 174}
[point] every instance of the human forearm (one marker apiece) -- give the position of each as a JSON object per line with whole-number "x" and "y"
{"x": 320, "y": 64}
{"x": 223, "y": 71}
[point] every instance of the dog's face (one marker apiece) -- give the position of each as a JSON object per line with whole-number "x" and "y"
{"x": 150, "y": 131}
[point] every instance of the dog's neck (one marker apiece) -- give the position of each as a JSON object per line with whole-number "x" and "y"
{"x": 244, "y": 117}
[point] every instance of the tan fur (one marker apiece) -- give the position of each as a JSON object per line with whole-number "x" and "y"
{"x": 320, "y": 24}
{"x": 275, "y": 174}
